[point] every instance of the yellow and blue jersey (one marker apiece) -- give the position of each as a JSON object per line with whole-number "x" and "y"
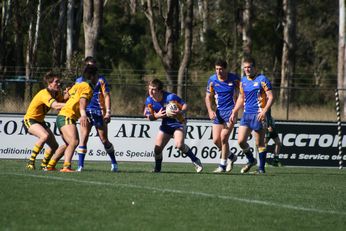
{"x": 223, "y": 90}
{"x": 97, "y": 102}
{"x": 151, "y": 106}
{"x": 78, "y": 91}
{"x": 254, "y": 91}
{"x": 41, "y": 104}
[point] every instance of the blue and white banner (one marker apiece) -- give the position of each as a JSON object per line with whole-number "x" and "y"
{"x": 133, "y": 140}
{"x": 303, "y": 143}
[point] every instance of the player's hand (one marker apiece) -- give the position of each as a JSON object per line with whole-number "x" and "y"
{"x": 107, "y": 118}
{"x": 84, "y": 121}
{"x": 161, "y": 113}
{"x": 261, "y": 116}
{"x": 176, "y": 112}
{"x": 233, "y": 118}
{"x": 212, "y": 115}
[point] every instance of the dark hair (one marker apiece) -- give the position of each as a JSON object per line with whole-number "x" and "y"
{"x": 50, "y": 76}
{"x": 156, "y": 83}
{"x": 89, "y": 59}
{"x": 221, "y": 62}
{"x": 250, "y": 60}
{"x": 89, "y": 71}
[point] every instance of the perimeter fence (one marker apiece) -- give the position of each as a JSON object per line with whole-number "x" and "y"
{"x": 310, "y": 97}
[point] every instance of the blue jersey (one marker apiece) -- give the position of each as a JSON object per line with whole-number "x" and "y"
{"x": 152, "y": 106}
{"x": 101, "y": 88}
{"x": 223, "y": 91}
{"x": 254, "y": 91}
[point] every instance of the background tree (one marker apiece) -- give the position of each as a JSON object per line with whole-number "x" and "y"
{"x": 31, "y": 47}
{"x": 92, "y": 22}
{"x": 289, "y": 43}
{"x": 247, "y": 28}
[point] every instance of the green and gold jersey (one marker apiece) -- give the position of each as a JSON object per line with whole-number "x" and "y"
{"x": 78, "y": 91}
{"x": 41, "y": 104}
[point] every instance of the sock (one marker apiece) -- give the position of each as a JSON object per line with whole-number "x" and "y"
{"x": 46, "y": 158}
{"x": 158, "y": 161}
{"x": 82, "y": 150}
{"x": 223, "y": 163}
{"x": 35, "y": 151}
{"x": 110, "y": 151}
{"x": 51, "y": 163}
{"x": 186, "y": 150}
{"x": 249, "y": 155}
{"x": 231, "y": 156}
{"x": 262, "y": 152}
{"x": 67, "y": 165}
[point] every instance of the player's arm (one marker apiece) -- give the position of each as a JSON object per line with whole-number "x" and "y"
{"x": 107, "y": 116}
{"x": 83, "y": 102}
{"x": 66, "y": 94}
{"x": 270, "y": 100}
{"x": 208, "y": 103}
{"x": 57, "y": 106}
{"x": 238, "y": 105}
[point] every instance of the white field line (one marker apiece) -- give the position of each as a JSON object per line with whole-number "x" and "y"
{"x": 193, "y": 193}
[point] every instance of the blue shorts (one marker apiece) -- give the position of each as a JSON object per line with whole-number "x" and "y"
{"x": 95, "y": 118}
{"x": 222, "y": 117}
{"x": 170, "y": 129}
{"x": 250, "y": 121}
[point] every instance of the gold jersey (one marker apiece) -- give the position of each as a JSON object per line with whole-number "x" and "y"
{"x": 41, "y": 104}
{"x": 78, "y": 91}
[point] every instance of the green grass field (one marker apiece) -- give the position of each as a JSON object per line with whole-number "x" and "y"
{"x": 176, "y": 199}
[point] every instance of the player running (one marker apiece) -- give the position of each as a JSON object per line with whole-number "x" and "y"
{"x": 43, "y": 101}
{"x": 222, "y": 88}
{"x": 170, "y": 127}
{"x": 256, "y": 97}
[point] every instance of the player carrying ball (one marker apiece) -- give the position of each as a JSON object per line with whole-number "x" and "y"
{"x": 155, "y": 105}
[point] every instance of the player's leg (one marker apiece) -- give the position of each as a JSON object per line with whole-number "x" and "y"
{"x": 160, "y": 142}
{"x": 262, "y": 151}
{"x": 70, "y": 134}
{"x": 217, "y": 129}
{"x": 231, "y": 156}
{"x": 59, "y": 153}
{"x": 82, "y": 146}
{"x": 277, "y": 149}
{"x": 103, "y": 134}
{"x": 41, "y": 133}
{"x": 243, "y": 134}
{"x": 53, "y": 146}
{"x": 180, "y": 144}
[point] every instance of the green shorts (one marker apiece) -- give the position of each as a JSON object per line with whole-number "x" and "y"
{"x": 29, "y": 122}
{"x": 63, "y": 120}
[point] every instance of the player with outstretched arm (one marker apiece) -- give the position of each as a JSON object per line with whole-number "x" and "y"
{"x": 43, "y": 101}
{"x": 73, "y": 110}
{"x": 256, "y": 98}
{"x": 171, "y": 127}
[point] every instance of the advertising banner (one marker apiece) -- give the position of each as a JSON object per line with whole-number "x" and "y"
{"x": 133, "y": 140}
{"x": 309, "y": 144}
{"x": 303, "y": 143}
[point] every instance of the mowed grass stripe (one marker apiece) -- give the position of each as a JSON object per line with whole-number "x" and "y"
{"x": 193, "y": 193}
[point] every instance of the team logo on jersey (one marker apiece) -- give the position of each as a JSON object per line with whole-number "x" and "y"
{"x": 230, "y": 84}
{"x": 255, "y": 84}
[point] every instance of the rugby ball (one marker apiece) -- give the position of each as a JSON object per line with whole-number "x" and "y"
{"x": 170, "y": 108}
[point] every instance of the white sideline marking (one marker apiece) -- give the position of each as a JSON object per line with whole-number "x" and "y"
{"x": 201, "y": 194}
